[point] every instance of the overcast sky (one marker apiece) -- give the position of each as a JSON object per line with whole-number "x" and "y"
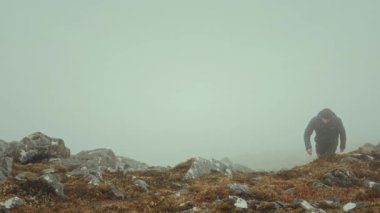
{"x": 163, "y": 81}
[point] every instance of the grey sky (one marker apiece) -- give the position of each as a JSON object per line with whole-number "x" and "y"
{"x": 162, "y": 81}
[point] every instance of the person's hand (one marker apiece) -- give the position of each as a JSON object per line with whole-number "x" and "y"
{"x": 309, "y": 152}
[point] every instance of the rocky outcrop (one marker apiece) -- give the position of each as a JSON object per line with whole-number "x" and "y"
{"x": 340, "y": 177}
{"x": 201, "y": 166}
{"x": 5, "y": 167}
{"x": 37, "y": 147}
{"x": 98, "y": 159}
{"x": 236, "y": 167}
{"x": 128, "y": 164}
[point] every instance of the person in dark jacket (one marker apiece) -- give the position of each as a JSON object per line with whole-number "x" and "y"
{"x": 328, "y": 129}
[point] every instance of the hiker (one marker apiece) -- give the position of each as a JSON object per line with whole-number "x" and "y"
{"x": 328, "y": 128}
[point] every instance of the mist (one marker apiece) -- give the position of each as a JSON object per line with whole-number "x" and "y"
{"x": 165, "y": 81}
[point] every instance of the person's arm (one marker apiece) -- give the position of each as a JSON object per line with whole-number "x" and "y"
{"x": 308, "y": 132}
{"x": 342, "y": 135}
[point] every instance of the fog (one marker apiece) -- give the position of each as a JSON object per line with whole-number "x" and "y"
{"x": 163, "y": 81}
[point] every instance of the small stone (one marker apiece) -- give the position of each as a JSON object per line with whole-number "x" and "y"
{"x": 349, "y": 206}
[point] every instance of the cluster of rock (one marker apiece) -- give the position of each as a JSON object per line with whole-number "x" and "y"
{"x": 201, "y": 166}
{"x": 39, "y": 147}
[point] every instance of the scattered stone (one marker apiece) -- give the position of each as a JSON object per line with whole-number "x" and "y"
{"x": 240, "y": 190}
{"x": 94, "y": 176}
{"x": 182, "y": 192}
{"x": 308, "y": 207}
{"x": 5, "y": 167}
{"x": 340, "y": 177}
{"x": 281, "y": 204}
{"x": 26, "y": 176}
{"x": 289, "y": 191}
{"x": 349, "y": 160}
{"x": 349, "y": 206}
{"x": 11, "y": 203}
{"x": 186, "y": 205}
{"x": 55, "y": 182}
{"x": 48, "y": 171}
{"x": 318, "y": 184}
{"x": 118, "y": 194}
{"x": 141, "y": 184}
{"x": 239, "y": 202}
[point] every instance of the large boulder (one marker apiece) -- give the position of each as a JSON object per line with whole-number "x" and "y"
{"x": 37, "y": 147}
{"x": 341, "y": 177}
{"x": 201, "y": 166}
{"x": 368, "y": 148}
{"x": 236, "y": 167}
{"x": 124, "y": 163}
{"x": 91, "y": 164}
{"x": 98, "y": 159}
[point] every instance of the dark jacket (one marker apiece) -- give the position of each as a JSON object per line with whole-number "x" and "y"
{"x": 325, "y": 133}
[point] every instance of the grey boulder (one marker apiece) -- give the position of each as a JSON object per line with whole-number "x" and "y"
{"x": 340, "y": 177}
{"x": 98, "y": 159}
{"x": 240, "y": 190}
{"x": 37, "y": 147}
{"x": 54, "y": 182}
{"x": 124, "y": 163}
{"x": 201, "y": 166}
{"x": 5, "y": 167}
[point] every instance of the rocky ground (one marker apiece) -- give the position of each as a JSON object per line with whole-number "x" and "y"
{"x": 99, "y": 181}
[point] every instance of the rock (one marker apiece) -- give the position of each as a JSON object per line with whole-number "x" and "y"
{"x": 349, "y": 160}
{"x": 378, "y": 146}
{"x": 340, "y": 177}
{"x": 141, "y": 184}
{"x": 289, "y": 191}
{"x": 240, "y": 190}
{"x": 26, "y": 176}
{"x": 98, "y": 159}
{"x": 186, "y": 205}
{"x": 11, "y": 203}
{"x": 201, "y": 167}
{"x": 367, "y": 148}
{"x": 5, "y": 167}
{"x": 308, "y": 207}
{"x": 118, "y": 194}
{"x": 48, "y": 171}
{"x": 236, "y": 167}
{"x": 37, "y": 147}
{"x": 281, "y": 204}
{"x": 3, "y": 147}
{"x": 182, "y": 192}
{"x": 318, "y": 184}
{"x": 54, "y": 181}
{"x": 239, "y": 202}
{"x": 349, "y": 206}
{"x": 124, "y": 163}
{"x": 94, "y": 176}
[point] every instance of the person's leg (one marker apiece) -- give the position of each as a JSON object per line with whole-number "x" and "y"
{"x": 326, "y": 147}
{"x": 331, "y": 147}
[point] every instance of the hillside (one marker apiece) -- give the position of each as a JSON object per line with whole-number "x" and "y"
{"x": 330, "y": 184}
